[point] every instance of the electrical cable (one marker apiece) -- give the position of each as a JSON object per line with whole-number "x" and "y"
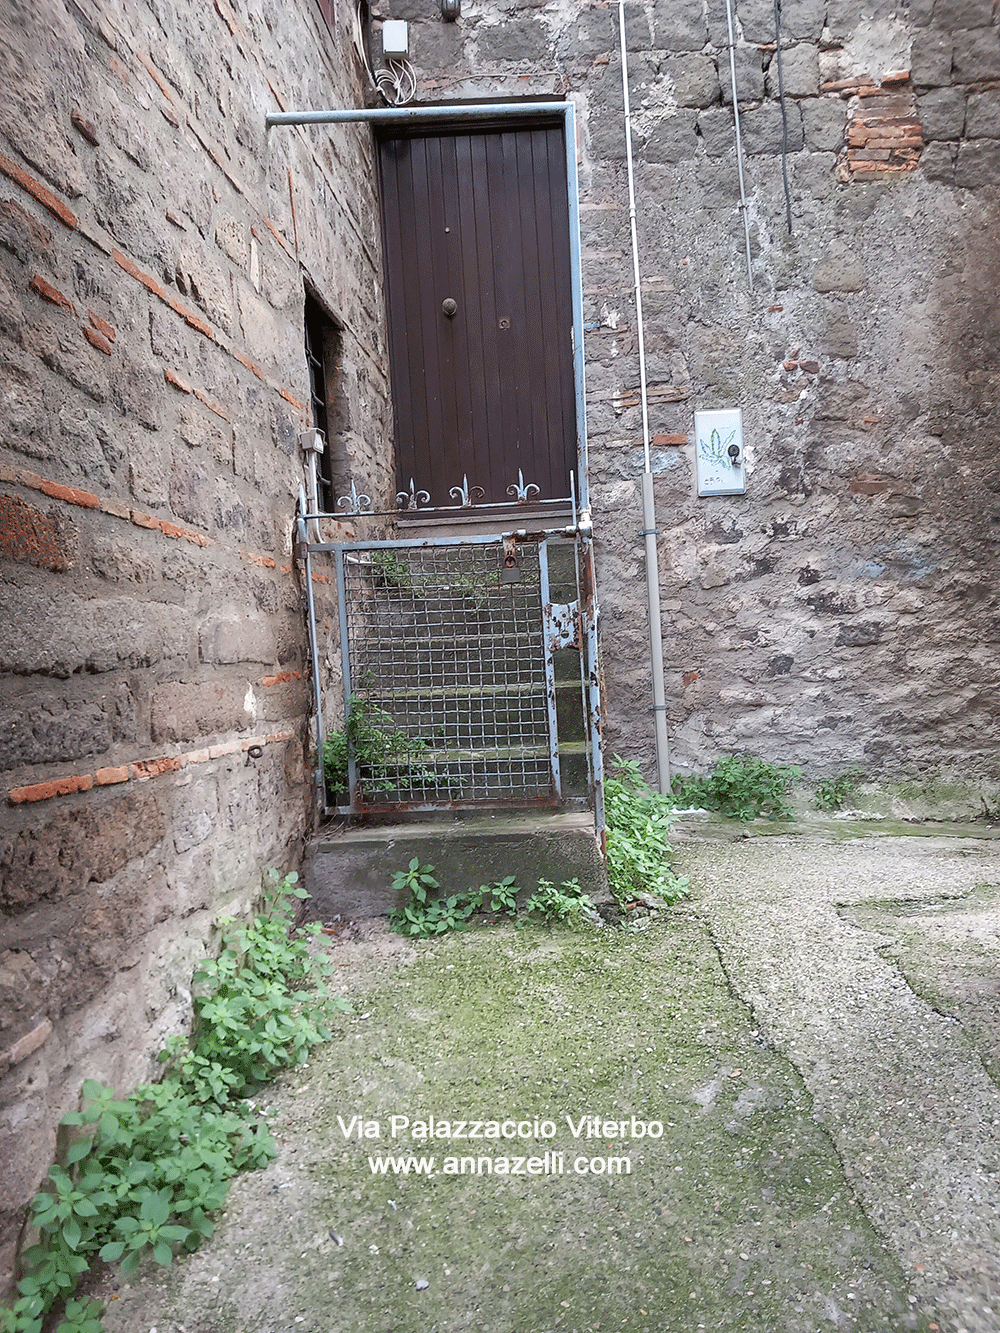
{"x": 784, "y": 116}
{"x": 397, "y": 84}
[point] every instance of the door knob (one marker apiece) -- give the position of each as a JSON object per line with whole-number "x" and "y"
{"x": 449, "y": 307}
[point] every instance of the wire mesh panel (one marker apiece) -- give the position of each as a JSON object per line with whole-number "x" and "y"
{"x": 449, "y": 692}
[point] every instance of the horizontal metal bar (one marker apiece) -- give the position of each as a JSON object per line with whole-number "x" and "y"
{"x": 458, "y": 691}
{"x": 411, "y": 115}
{"x": 491, "y": 539}
{"x": 481, "y": 803}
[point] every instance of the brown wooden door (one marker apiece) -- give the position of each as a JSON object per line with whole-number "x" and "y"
{"x": 480, "y": 219}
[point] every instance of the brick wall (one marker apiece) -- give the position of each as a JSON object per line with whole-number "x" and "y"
{"x": 844, "y": 611}
{"x": 154, "y": 245}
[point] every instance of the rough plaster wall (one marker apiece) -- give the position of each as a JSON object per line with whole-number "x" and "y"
{"x": 154, "y": 241}
{"x": 844, "y": 611}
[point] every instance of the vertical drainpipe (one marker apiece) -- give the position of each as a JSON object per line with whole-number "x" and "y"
{"x": 659, "y": 706}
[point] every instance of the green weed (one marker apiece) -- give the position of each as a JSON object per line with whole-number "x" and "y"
{"x": 638, "y": 821}
{"x": 387, "y": 758}
{"x": 831, "y": 793}
{"x": 742, "y": 787}
{"x": 142, "y": 1175}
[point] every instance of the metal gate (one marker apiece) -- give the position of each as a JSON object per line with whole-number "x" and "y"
{"x": 469, "y": 672}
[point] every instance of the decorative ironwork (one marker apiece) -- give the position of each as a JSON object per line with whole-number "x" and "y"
{"x": 464, "y": 496}
{"x": 355, "y": 503}
{"x": 522, "y": 492}
{"x": 412, "y": 499}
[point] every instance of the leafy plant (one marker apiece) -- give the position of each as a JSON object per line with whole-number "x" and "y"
{"x": 142, "y": 1175}
{"x": 742, "y": 787}
{"x": 391, "y": 571}
{"x": 425, "y": 915}
{"x": 638, "y": 823}
{"x": 565, "y": 904}
{"x": 833, "y": 792}
{"x": 386, "y": 756}
{"x": 503, "y": 895}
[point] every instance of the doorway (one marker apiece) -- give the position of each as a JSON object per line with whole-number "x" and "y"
{"x": 480, "y": 304}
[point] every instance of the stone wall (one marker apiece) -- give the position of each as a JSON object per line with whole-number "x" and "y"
{"x": 844, "y": 610}
{"x": 155, "y": 243}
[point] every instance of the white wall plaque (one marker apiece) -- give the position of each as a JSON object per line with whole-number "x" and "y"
{"x": 719, "y": 452}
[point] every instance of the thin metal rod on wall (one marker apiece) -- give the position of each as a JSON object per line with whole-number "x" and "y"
{"x": 739, "y": 141}
{"x": 648, "y": 506}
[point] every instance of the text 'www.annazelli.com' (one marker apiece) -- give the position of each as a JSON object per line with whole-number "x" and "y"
{"x": 551, "y": 1164}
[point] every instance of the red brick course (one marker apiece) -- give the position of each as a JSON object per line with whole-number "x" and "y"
{"x": 42, "y": 791}
{"x": 38, "y": 191}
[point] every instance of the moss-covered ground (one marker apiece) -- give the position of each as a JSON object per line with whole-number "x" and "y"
{"x": 737, "y": 1217}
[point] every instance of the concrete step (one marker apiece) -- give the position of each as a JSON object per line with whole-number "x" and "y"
{"x": 348, "y": 870}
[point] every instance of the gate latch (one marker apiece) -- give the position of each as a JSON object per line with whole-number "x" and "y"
{"x": 561, "y": 625}
{"x": 510, "y": 566}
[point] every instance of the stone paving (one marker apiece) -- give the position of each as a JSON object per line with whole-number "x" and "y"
{"x": 899, "y": 1085}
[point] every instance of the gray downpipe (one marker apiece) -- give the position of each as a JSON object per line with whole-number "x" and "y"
{"x": 648, "y": 506}
{"x": 302, "y": 541}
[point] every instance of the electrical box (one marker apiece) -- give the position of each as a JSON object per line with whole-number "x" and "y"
{"x": 395, "y": 39}
{"x": 719, "y": 457}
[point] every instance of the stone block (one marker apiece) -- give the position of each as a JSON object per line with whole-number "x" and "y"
{"x": 801, "y": 20}
{"x": 673, "y": 139}
{"x": 839, "y": 337}
{"x": 189, "y": 490}
{"x": 930, "y": 58}
{"x": 678, "y": 27}
{"x": 47, "y": 540}
{"x": 232, "y": 638}
{"x": 138, "y": 391}
{"x": 50, "y": 730}
{"x": 843, "y": 16}
{"x": 61, "y": 635}
{"x": 982, "y": 120}
{"x": 25, "y": 237}
{"x": 977, "y": 166}
{"x": 860, "y": 634}
{"x": 824, "y": 123}
{"x": 799, "y": 72}
{"x": 232, "y": 237}
{"x": 937, "y": 162}
{"x": 965, "y": 13}
{"x": 194, "y": 816}
{"x": 764, "y": 130}
{"x": 976, "y": 56}
{"x": 527, "y": 39}
{"x": 942, "y": 113}
{"x": 201, "y": 280}
{"x": 186, "y": 711}
{"x": 749, "y": 76}
{"x": 695, "y": 80}
{"x": 717, "y": 130}
{"x": 54, "y": 857}
{"x": 839, "y": 269}
{"x": 120, "y": 561}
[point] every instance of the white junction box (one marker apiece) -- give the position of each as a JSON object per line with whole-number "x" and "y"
{"x": 718, "y": 442}
{"x": 395, "y": 39}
